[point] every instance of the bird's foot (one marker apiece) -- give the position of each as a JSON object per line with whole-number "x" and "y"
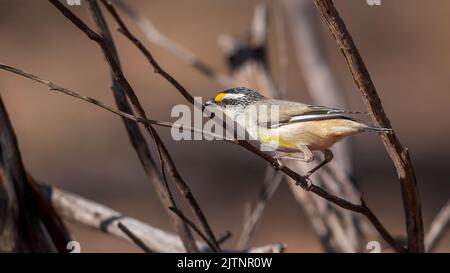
{"x": 308, "y": 185}
{"x": 277, "y": 164}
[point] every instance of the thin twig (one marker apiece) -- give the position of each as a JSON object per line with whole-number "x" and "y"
{"x": 193, "y": 226}
{"x": 100, "y": 21}
{"x": 181, "y": 184}
{"x": 438, "y": 228}
{"x": 222, "y": 239}
{"x": 100, "y": 217}
{"x": 123, "y": 29}
{"x": 166, "y": 160}
{"x": 282, "y": 48}
{"x": 297, "y": 178}
{"x": 37, "y": 227}
{"x": 398, "y": 154}
{"x": 134, "y": 238}
{"x": 339, "y": 231}
{"x": 55, "y": 87}
{"x": 270, "y": 185}
{"x": 155, "y": 36}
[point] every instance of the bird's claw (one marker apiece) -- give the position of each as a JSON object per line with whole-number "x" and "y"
{"x": 277, "y": 164}
{"x": 308, "y": 185}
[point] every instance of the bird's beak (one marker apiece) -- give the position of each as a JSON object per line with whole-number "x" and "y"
{"x": 210, "y": 104}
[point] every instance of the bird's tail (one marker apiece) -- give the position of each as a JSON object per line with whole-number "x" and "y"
{"x": 376, "y": 129}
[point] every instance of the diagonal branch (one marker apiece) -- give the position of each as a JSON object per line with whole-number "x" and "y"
{"x": 398, "y": 154}
{"x": 339, "y": 231}
{"x": 166, "y": 160}
{"x": 124, "y": 115}
{"x": 439, "y": 227}
{"x": 158, "y": 179}
{"x": 157, "y": 68}
{"x": 269, "y": 187}
{"x": 297, "y": 178}
{"x": 192, "y": 225}
{"x": 135, "y": 239}
{"x": 97, "y": 216}
{"x": 35, "y": 226}
{"x": 153, "y": 35}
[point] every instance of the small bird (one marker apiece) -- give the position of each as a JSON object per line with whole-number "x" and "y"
{"x": 294, "y": 128}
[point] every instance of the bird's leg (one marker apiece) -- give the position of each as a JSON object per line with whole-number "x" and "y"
{"x": 277, "y": 164}
{"x": 328, "y": 156}
{"x": 308, "y": 156}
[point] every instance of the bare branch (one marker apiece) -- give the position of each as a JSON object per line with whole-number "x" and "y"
{"x": 282, "y": 48}
{"x": 271, "y": 182}
{"x": 338, "y": 230}
{"x": 297, "y": 178}
{"x": 137, "y": 241}
{"x": 165, "y": 158}
{"x": 153, "y": 35}
{"x": 111, "y": 51}
{"x": 341, "y": 231}
{"x": 275, "y": 248}
{"x": 157, "y": 68}
{"x": 31, "y": 223}
{"x": 398, "y": 154}
{"x": 362, "y": 209}
{"x": 222, "y": 239}
{"x": 193, "y": 226}
{"x": 438, "y": 228}
{"x": 89, "y": 213}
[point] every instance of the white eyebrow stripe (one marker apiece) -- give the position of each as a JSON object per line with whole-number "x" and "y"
{"x": 233, "y": 96}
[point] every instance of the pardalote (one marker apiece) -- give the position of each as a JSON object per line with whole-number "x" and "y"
{"x": 292, "y": 128}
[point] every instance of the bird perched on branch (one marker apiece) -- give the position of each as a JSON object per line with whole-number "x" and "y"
{"x": 290, "y": 127}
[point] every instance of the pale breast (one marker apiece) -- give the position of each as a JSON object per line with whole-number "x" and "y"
{"x": 317, "y": 135}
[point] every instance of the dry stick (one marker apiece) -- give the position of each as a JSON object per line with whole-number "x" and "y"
{"x": 80, "y": 210}
{"x": 334, "y": 227}
{"x": 166, "y": 159}
{"x": 271, "y": 183}
{"x": 398, "y": 154}
{"x": 251, "y": 71}
{"x": 282, "y": 48}
{"x": 157, "y": 68}
{"x": 26, "y": 231}
{"x": 137, "y": 138}
{"x": 38, "y": 227}
{"x": 222, "y": 239}
{"x": 153, "y": 35}
{"x": 259, "y": 30}
{"x": 8, "y": 213}
{"x": 439, "y": 227}
{"x": 300, "y": 180}
{"x": 363, "y": 209}
{"x": 192, "y": 225}
{"x": 134, "y": 238}
{"x": 123, "y": 29}
{"x": 339, "y": 231}
{"x": 54, "y": 87}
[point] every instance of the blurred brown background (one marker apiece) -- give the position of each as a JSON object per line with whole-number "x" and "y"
{"x": 81, "y": 148}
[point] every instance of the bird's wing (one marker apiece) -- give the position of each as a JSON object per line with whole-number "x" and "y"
{"x": 292, "y": 112}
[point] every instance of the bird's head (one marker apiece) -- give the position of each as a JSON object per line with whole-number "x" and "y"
{"x": 235, "y": 97}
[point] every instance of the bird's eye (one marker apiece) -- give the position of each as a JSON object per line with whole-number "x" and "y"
{"x": 219, "y": 97}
